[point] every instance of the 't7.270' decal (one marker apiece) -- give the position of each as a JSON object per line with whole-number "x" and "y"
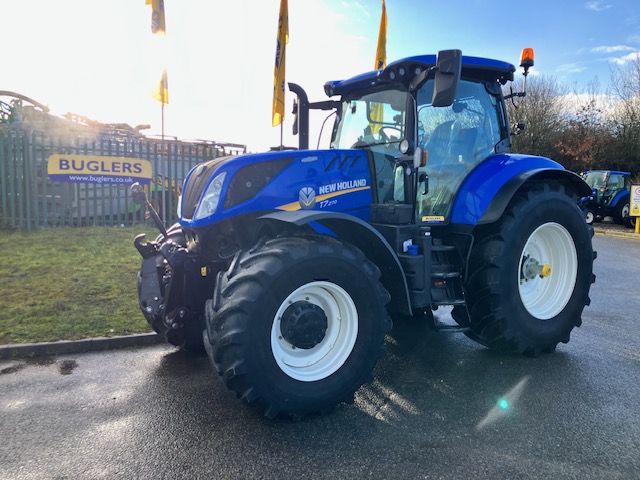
{"x": 327, "y": 203}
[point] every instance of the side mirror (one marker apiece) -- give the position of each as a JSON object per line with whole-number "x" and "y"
{"x": 448, "y": 68}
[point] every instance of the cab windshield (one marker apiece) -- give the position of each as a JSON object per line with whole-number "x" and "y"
{"x": 596, "y": 179}
{"x": 375, "y": 122}
{"x": 374, "y": 119}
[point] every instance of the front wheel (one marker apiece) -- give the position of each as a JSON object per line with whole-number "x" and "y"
{"x": 530, "y": 274}
{"x": 590, "y": 216}
{"x": 297, "y": 325}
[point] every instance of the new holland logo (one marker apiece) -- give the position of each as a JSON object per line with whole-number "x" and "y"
{"x": 307, "y": 198}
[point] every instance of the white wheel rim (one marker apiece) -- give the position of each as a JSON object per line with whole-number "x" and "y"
{"x": 545, "y": 297}
{"x": 309, "y": 365}
{"x": 625, "y": 211}
{"x": 590, "y": 217}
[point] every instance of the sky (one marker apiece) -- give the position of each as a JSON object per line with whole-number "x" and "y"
{"x": 99, "y": 59}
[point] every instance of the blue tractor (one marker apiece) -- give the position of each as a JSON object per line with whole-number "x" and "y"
{"x": 288, "y": 265}
{"x": 609, "y": 197}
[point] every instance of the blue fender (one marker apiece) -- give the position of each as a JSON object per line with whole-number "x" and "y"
{"x": 486, "y": 192}
{"x": 621, "y": 195}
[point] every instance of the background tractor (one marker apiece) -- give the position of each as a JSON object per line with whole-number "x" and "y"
{"x": 609, "y": 195}
{"x": 287, "y": 265}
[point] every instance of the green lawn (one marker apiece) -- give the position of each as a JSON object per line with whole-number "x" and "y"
{"x": 69, "y": 283}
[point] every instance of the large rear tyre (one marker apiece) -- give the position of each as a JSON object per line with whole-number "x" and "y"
{"x": 621, "y": 210}
{"x": 297, "y": 324}
{"x": 627, "y": 220}
{"x": 529, "y": 274}
{"x": 630, "y": 222}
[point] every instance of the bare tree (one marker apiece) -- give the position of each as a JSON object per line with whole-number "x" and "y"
{"x": 542, "y": 111}
{"x": 625, "y": 87}
{"x": 586, "y": 143}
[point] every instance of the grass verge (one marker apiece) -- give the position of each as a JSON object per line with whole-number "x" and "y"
{"x": 69, "y": 283}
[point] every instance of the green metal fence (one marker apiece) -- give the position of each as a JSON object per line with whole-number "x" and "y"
{"x": 29, "y": 199}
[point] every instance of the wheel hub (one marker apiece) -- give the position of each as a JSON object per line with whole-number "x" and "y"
{"x": 303, "y": 325}
{"x": 531, "y": 268}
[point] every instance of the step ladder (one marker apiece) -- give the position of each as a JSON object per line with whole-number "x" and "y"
{"x": 446, "y": 284}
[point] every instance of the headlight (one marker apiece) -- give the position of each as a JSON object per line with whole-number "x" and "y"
{"x": 211, "y": 198}
{"x": 179, "y": 207}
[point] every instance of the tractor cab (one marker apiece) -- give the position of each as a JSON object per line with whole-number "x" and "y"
{"x": 398, "y": 114}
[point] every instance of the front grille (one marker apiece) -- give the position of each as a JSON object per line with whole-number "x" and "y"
{"x": 248, "y": 181}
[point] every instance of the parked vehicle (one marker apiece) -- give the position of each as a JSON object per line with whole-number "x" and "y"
{"x": 289, "y": 263}
{"x": 609, "y": 195}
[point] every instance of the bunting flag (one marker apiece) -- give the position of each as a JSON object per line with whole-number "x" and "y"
{"x": 278, "y": 76}
{"x": 157, "y": 16}
{"x": 377, "y": 114}
{"x": 162, "y": 92}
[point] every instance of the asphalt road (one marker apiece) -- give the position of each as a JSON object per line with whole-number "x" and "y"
{"x": 432, "y": 412}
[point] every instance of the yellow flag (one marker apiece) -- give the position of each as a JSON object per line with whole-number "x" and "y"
{"x": 278, "y": 75}
{"x": 381, "y": 62}
{"x": 381, "y": 51}
{"x": 162, "y": 92}
{"x": 157, "y": 16}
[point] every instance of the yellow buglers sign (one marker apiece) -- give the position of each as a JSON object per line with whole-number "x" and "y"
{"x": 98, "y": 169}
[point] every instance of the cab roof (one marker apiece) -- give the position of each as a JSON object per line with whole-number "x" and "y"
{"x": 403, "y": 70}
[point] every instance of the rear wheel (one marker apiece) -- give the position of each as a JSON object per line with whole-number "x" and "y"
{"x": 627, "y": 220}
{"x": 530, "y": 274}
{"x": 621, "y": 211}
{"x": 297, "y": 324}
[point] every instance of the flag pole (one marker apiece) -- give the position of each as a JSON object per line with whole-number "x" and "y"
{"x": 277, "y": 112}
{"x": 162, "y": 132}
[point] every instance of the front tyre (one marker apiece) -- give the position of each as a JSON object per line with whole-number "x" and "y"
{"x": 297, "y": 324}
{"x": 530, "y": 274}
{"x": 590, "y": 216}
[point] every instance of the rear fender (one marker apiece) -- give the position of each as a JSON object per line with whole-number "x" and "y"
{"x": 362, "y": 235}
{"x": 489, "y": 188}
{"x": 621, "y": 197}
